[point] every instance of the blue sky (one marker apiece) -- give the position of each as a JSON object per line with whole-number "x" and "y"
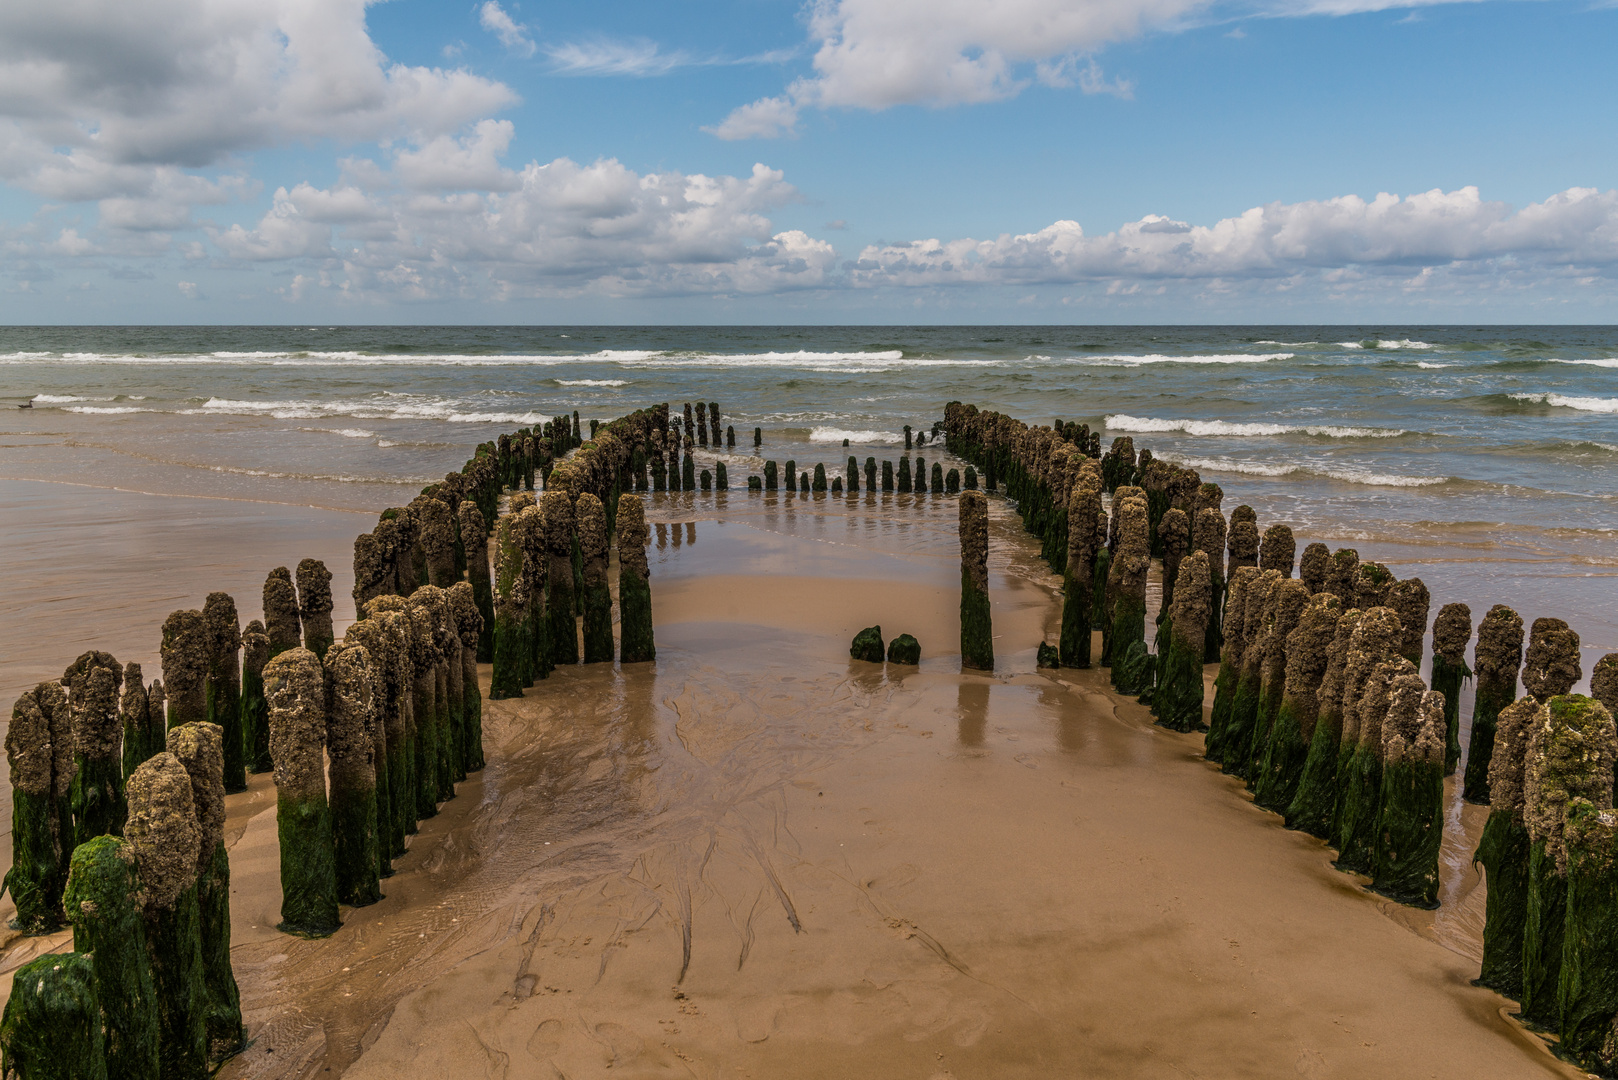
{"x": 856, "y": 160}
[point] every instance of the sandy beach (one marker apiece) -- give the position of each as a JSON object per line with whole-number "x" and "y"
{"x": 757, "y": 857}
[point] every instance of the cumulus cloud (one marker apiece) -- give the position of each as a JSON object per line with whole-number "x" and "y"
{"x": 512, "y": 34}
{"x": 101, "y": 99}
{"x": 1385, "y": 235}
{"x": 875, "y": 54}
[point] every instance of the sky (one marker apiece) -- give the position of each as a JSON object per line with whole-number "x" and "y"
{"x": 841, "y": 161}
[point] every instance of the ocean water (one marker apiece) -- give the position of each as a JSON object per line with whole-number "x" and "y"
{"x": 1484, "y": 459}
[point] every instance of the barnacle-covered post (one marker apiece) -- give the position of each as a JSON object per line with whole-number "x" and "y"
{"x": 1313, "y": 803}
{"x": 1174, "y": 535}
{"x": 1242, "y": 540}
{"x": 37, "y": 856}
{"x": 1126, "y": 579}
{"x": 373, "y": 574}
{"x": 1410, "y": 818}
{"x": 1208, "y": 537}
{"x": 294, "y": 685}
{"x": 1236, "y": 742}
{"x": 1289, "y": 599}
{"x": 437, "y": 540}
{"x": 167, "y": 838}
{"x": 1451, "y": 631}
{"x": 1278, "y": 550}
{"x": 349, "y": 701}
{"x": 1178, "y": 698}
{"x": 511, "y": 644}
{"x": 1588, "y": 992}
{"x": 281, "y": 620}
{"x": 469, "y": 629}
{"x": 1228, "y": 678}
{"x": 634, "y": 583}
{"x": 1495, "y": 660}
{"x": 223, "y": 630}
{"x": 1551, "y": 665}
{"x": 1411, "y": 601}
{"x": 977, "y": 631}
{"x": 562, "y": 630}
{"x": 96, "y": 794}
{"x": 1315, "y": 567}
{"x": 52, "y": 1029}
{"x": 592, "y": 519}
{"x": 1078, "y": 578}
{"x": 103, "y": 901}
{"x": 314, "y": 598}
{"x": 255, "y": 712}
{"x": 1570, "y": 756}
{"x": 1504, "y": 849}
{"x": 1303, "y": 662}
{"x": 1370, "y": 672}
{"x": 186, "y": 652}
{"x": 475, "y": 539}
{"x": 135, "y": 713}
{"x": 198, "y": 749}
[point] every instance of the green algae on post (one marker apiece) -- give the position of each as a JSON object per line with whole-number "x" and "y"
{"x": 1495, "y": 660}
{"x": 1503, "y": 851}
{"x": 1570, "y": 756}
{"x": 354, "y": 821}
{"x": 1289, "y": 599}
{"x": 904, "y": 472}
{"x": 295, "y": 687}
{"x": 771, "y": 477}
{"x": 977, "y": 632}
{"x": 103, "y": 901}
{"x": 1588, "y": 991}
{"x": 887, "y": 476}
{"x": 1233, "y": 645}
{"x": 52, "y": 1028}
{"x": 222, "y": 629}
{"x": 1369, "y": 672}
{"x": 469, "y": 629}
{"x": 870, "y": 474}
{"x": 255, "y": 713}
{"x": 904, "y": 649}
{"x": 198, "y": 748}
{"x": 561, "y": 627}
{"x": 281, "y": 621}
{"x": 592, "y": 524}
{"x": 96, "y": 792}
{"x": 166, "y": 836}
{"x": 1208, "y": 537}
{"x": 819, "y": 483}
{"x": 511, "y": 637}
{"x": 721, "y": 476}
{"x": 1604, "y": 682}
{"x": 937, "y": 482}
{"x": 1307, "y": 655}
{"x": 867, "y": 645}
{"x": 35, "y": 877}
{"x": 135, "y": 713}
{"x": 952, "y": 482}
{"x": 1410, "y": 817}
{"x": 1078, "y": 578}
{"x": 1177, "y": 700}
{"x": 853, "y": 474}
{"x": 634, "y": 584}
{"x": 1316, "y": 797}
{"x": 475, "y": 538}
{"x": 1451, "y": 631}
{"x": 1236, "y": 742}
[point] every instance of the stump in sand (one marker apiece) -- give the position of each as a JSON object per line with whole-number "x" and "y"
{"x": 1278, "y": 550}
{"x": 1410, "y": 819}
{"x": 977, "y": 631}
{"x": 1306, "y": 655}
{"x": 96, "y": 773}
{"x": 936, "y": 484}
{"x": 1451, "y": 631}
{"x": 511, "y": 599}
{"x": 1551, "y": 666}
{"x": 1588, "y": 991}
{"x": 592, "y": 523}
{"x": 771, "y": 482}
{"x": 561, "y": 627}
{"x": 1315, "y": 567}
{"x": 1233, "y": 644}
{"x": 904, "y": 474}
{"x": 1289, "y": 599}
{"x": 904, "y": 649}
{"x": 1126, "y": 590}
{"x": 38, "y": 856}
{"x": 281, "y": 620}
{"x": 887, "y": 476}
{"x": 166, "y": 836}
{"x": 870, "y": 474}
{"x": 853, "y": 475}
{"x": 1345, "y": 563}
{"x": 350, "y": 697}
{"x": 475, "y": 538}
{"x": 1495, "y": 660}
{"x": 1411, "y": 601}
{"x": 1078, "y": 578}
{"x": 295, "y": 687}
{"x": 142, "y": 737}
{"x": 1242, "y": 540}
{"x": 103, "y": 903}
{"x": 867, "y": 645}
{"x": 185, "y": 652}
{"x": 437, "y": 530}
{"x": 1312, "y": 804}
{"x": 1366, "y": 678}
{"x": 634, "y": 584}
{"x": 223, "y": 631}
{"x": 1177, "y": 701}
{"x": 1236, "y": 735}
{"x": 1570, "y": 756}
{"x": 1208, "y": 537}
{"x": 1504, "y": 848}
{"x": 469, "y": 629}
{"x": 52, "y": 1028}
{"x": 255, "y": 713}
{"x": 198, "y": 749}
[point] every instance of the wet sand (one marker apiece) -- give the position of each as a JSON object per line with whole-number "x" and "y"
{"x": 759, "y": 858}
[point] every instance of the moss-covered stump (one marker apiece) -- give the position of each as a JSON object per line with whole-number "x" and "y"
{"x": 561, "y": 627}
{"x": 103, "y": 904}
{"x": 688, "y": 472}
{"x": 185, "y": 654}
{"x": 1078, "y": 577}
{"x": 1315, "y": 567}
{"x": 1126, "y": 577}
{"x": 281, "y": 620}
{"x": 852, "y": 475}
{"x": 437, "y": 531}
{"x": 475, "y": 538}
{"x": 1208, "y": 537}
{"x": 349, "y": 700}
{"x": 1315, "y": 800}
{"x": 636, "y": 643}
{"x": 52, "y": 1025}
{"x": 1588, "y": 991}
{"x": 314, "y": 580}
{"x": 166, "y": 836}
{"x": 1230, "y": 661}
{"x": 435, "y": 770}
{"x": 1410, "y": 817}
{"x": 1570, "y": 756}
{"x": 1604, "y": 682}
{"x": 469, "y": 628}
{"x": 1174, "y": 539}
{"x": 1306, "y": 655}
{"x": 198, "y": 747}
{"x": 936, "y": 481}
{"x": 1551, "y": 665}
{"x": 1451, "y": 632}
{"x": 721, "y": 476}
{"x": 1241, "y": 722}
{"x": 135, "y": 714}
{"x": 870, "y": 474}
{"x": 952, "y": 482}
{"x": 977, "y": 630}
{"x": 1496, "y": 658}
{"x": 1373, "y": 585}
{"x": 390, "y": 649}
{"x": 96, "y": 789}
{"x": 904, "y": 472}
{"x": 294, "y": 684}
{"x": 223, "y": 686}
{"x": 255, "y": 712}
{"x": 592, "y": 525}
{"x": 867, "y": 645}
{"x": 1288, "y": 602}
{"x": 1278, "y": 550}
{"x": 904, "y": 649}
{"x": 511, "y": 644}
{"x": 37, "y": 858}
{"x": 1503, "y": 852}
{"x": 373, "y": 574}
{"x": 1135, "y": 672}
{"x": 1047, "y": 656}
{"x": 1366, "y": 677}
{"x": 1177, "y": 700}
{"x": 969, "y": 479}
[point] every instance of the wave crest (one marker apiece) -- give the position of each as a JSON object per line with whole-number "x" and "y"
{"x": 1143, "y": 424}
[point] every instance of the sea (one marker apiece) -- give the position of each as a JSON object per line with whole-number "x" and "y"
{"x": 1483, "y": 459}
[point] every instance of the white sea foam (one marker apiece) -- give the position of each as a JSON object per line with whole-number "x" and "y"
{"x": 1609, "y": 362}
{"x": 108, "y": 409}
{"x": 837, "y": 435}
{"x": 592, "y": 382}
{"x": 1398, "y": 343}
{"x": 347, "y": 432}
{"x": 1347, "y": 474}
{"x": 1429, "y": 364}
{"x": 1121, "y": 422}
{"x": 58, "y": 399}
{"x": 1159, "y": 358}
{"x": 1583, "y": 404}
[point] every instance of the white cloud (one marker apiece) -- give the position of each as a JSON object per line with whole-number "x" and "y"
{"x": 1387, "y": 235}
{"x": 512, "y": 34}
{"x": 638, "y": 58}
{"x": 767, "y": 118}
